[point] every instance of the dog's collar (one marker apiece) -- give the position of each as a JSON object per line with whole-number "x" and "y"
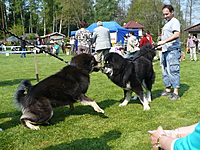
{"x": 72, "y": 64}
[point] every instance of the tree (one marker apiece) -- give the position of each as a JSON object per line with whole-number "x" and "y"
{"x": 147, "y": 13}
{"x": 105, "y": 10}
{"x": 122, "y": 10}
{"x": 44, "y": 16}
{"x": 2, "y": 19}
{"x": 74, "y": 12}
{"x": 32, "y": 6}
{"x": 17, "y": 30}
{"x": 193, "y": 6}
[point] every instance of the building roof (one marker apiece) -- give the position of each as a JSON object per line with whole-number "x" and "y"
{"x": 52, "y": 34}
{"x": 133, "y": 25}
{"x": 195, "y": 28}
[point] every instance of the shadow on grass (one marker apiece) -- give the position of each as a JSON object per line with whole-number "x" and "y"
{"x": 79, "y": 110}
{"x": 12, "y": 82}
{"x": 182, "y": 90}
{"x": 89, "y": 143}
{"x": 11, "y": 119}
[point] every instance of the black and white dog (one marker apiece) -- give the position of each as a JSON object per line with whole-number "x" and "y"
{"x": 132, "y": 74}
{"x": 63, "y": 88}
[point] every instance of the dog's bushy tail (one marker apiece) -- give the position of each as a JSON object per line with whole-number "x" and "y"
{"x": 24, "y": 86}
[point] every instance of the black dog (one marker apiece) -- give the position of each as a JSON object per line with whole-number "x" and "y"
{"x": 63, "y": 88}
{"x": 131, "y": 74}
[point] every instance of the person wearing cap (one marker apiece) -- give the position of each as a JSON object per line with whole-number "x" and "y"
{"x": 101, "y": 38}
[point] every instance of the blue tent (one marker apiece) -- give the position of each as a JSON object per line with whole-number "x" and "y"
{"x": 113, "y": 26}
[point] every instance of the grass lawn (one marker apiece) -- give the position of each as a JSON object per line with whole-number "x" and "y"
{"x": 120, "y": 128}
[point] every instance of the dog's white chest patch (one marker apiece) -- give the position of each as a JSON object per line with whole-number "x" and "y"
{"x": 128, "y": 85}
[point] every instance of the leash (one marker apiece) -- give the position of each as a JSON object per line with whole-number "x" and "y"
{"x": 8, "y": 32}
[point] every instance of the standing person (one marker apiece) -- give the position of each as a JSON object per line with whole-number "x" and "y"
{"x": 23, "y": 47}
{"x": 72, "y": 43}
{"x": 125, "y": 42}
{"x": 13, "y": 48}
{"x": 132, "y": 45}
{"x": 38, "y": 42}
{"x": 57, "y": 48}
{"x": 192, "y": 46}
{"x": 148, "y": 35}
{"x": 83, "y": 36}
{"x": 171, "y": 53}
{"x": 51, "y": 41}
{"x": 198, "y": 46}
{"x": 63, "y": 46}
{"x": 51, "y": 49}
{"x": 143, "y": 40}
{"x": 3, "y": 46}
{"x": 101, "y": 38}
{"x": 42, "y": 42}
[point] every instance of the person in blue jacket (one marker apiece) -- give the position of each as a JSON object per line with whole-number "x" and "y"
{"x": 183, "y": 138}
{"x": 57, "y": 48}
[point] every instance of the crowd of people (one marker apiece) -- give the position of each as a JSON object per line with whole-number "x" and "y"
{"x": 100, "y": 39}
{"x": 99, "y": 42}
{"x": 54, "y": 46}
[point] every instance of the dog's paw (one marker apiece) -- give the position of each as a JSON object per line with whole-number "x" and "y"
{"x": 36, "y": 128}
{"x": 146, "y": 107}
{"x": 100, "y": 111}
{"x": 125, "y": 102}
{"x": 122, "y": 104}
{"x": 32, "y": 127}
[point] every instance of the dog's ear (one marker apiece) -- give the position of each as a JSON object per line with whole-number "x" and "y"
{"x": 94, "y": 65}
{"x": 85, "y": 61}
{"x": 93, "y": 61}
{"x": 117, "y": 62}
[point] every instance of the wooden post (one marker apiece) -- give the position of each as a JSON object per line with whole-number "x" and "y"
{"x": 36, "y": 66}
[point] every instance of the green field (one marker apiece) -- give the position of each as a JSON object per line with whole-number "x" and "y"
{"x": 120, "y": 128}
